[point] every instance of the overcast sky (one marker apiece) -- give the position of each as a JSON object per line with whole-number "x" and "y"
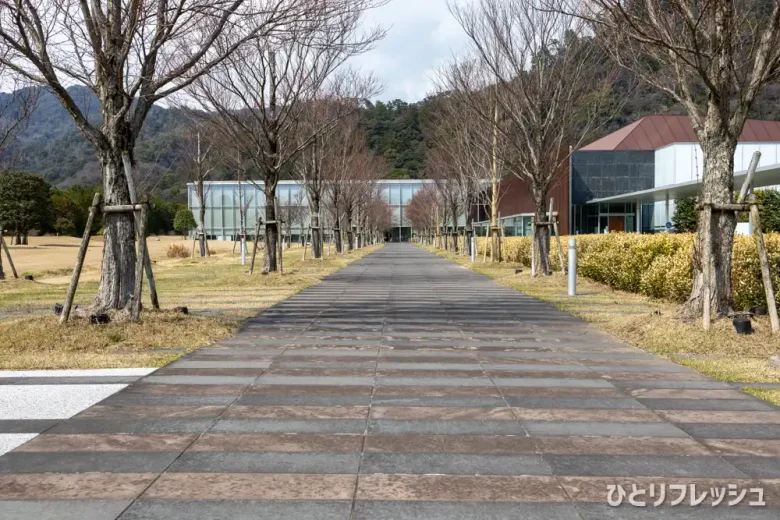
{"x": 422, "y": 35}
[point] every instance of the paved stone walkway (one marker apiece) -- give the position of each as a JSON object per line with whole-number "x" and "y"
{"x": 404, "y": 387}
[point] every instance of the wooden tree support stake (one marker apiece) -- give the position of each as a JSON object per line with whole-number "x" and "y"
{"x": 254, "y": 248}
{"x": 765, "y": 274}
{"x": 533, "y": 246}
{"x": 279, "y": 237}
{"x": 707, "y": 304}
{"x": 306, "y": 242}
{"x": 7, "y": 255}
{"x": 560, "y": 247}
{"x": 139, "y": 265}
{"x": 74, "y": 281}
{"x": 484, "y": 253}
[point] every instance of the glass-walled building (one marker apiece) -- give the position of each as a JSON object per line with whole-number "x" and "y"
{"x": 223, "y": 213}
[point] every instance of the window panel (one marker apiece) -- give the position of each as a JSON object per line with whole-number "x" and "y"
{"x": 395, "y": 194}
{"x": 406, "y": 193}
{"x": 396, "y": 221}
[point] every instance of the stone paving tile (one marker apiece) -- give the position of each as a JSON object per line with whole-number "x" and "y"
{"x": 401, "y": 387}
{"x": 238, "y": 510}
{"x": 462, "y": 510}
{"x": 62, "y": 509}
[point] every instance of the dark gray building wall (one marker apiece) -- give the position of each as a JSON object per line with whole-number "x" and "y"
{"x": 596, "y": 174}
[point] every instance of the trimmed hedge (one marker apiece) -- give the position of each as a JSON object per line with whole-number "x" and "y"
{"x": 659, "y": 265}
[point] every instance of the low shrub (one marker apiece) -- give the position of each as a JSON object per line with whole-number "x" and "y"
{"x": 660, "y": 266}
{"x": 177, "y": 251}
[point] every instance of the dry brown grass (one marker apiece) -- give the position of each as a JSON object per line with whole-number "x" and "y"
{"x": 650, "y": 324}
{"x": 177, "y": 251}
{"x": 773, "y": 396}
{"x": 218, "y": 285}
{"x": 42, "y": 343}
{"x": 47, "y": 255}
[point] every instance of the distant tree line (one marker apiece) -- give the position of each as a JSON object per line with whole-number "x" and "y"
{"x": 28, "y": 203}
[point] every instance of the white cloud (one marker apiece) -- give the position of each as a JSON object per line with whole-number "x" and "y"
{"x": 422, "y": 35}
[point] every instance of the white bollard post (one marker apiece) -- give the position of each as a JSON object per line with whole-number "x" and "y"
{"x": 572, "y": 267}
{"x": 473, "y": 249}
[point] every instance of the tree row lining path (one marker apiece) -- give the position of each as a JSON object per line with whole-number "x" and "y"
{"x": 405, "y": 387}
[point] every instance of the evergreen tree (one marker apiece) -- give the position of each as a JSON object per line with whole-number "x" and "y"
{"x": 770, "y": 210}
{"x": 25, "y": 203}
{"x": 184, "y": 221}
{"x": 686, "y": 216}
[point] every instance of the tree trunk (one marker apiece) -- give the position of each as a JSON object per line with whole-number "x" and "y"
{"x": 204, "y": 246}
{"x": 542, "y": 239}
{"x": 316, "y": 231}
{"x": 271, "y": 229}
{"x": 117, "y": 276}
{"x": 350, "y": 236}
{"x": 337, "y": 239}
{"x": 454, "y": 211}
{"x": 716, "y": 236}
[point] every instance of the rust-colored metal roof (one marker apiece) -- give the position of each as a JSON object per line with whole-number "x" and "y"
{"x": 654, "y": 132}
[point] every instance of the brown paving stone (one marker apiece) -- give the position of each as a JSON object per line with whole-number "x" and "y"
{"x": 720, "y": 417}
{"x": 157, "y": 389}
{"x": 618, "y": 446}
{"x": 474, "y": 444}
{"x": 107, "y": 442}
{"x": 689, "y": 375}
{"x": 465, "y": 374}
{"x": 561, "y": 392}
{"x": 758, "y": 448}
{"x": 238, "y": 372}
{"x": 143, "y": 412}
{"x": 309, "y": 390}
{"x": 420, "y": 413}
{"x": 251, "y": 486}
{"x": 460, "y": 488}
{"x": 590, "y": 414}
{"x": 109, "y": 486}
{"x": 668, "y": 393}
{"x": 541, "y": 374}
{"x": 322, "y": 372}
{"x": 290, "y": 443}
{"x": 428, "y": 359}
{"x": 297, "y": 412}
{"x": 437, "y": 391}
{"x": 492, "y": 360}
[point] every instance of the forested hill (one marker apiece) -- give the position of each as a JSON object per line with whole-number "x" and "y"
{"x": 52, "y": 145}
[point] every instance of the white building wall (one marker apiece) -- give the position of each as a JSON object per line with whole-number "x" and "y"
{"x": 684, "y": 162}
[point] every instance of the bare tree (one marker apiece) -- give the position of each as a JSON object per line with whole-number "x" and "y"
{"x": 714, "y": 57}
{"x": 258, "y": 92}
{"x": 545, "y": 77}
{"x": 468, "y": 129}
{"x": 349, "y": 153}
{"x": 200, "y": 161}
{"x": 15, "y": 110}
{"x": 339, "y": 99}
{"x": 445, "y": 174}
{"x": 423, "y": 211}
{"x": 295, "y": 213}
{"x": 131, "y": 54}
{"x": 463, "y": 148}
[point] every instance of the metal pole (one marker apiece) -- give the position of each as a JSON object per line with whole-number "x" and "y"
{"x": 572, "y": 267}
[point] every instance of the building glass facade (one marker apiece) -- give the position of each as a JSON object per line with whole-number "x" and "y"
{"x": 223, "y": 213}
{"x": 598, "y": 174}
